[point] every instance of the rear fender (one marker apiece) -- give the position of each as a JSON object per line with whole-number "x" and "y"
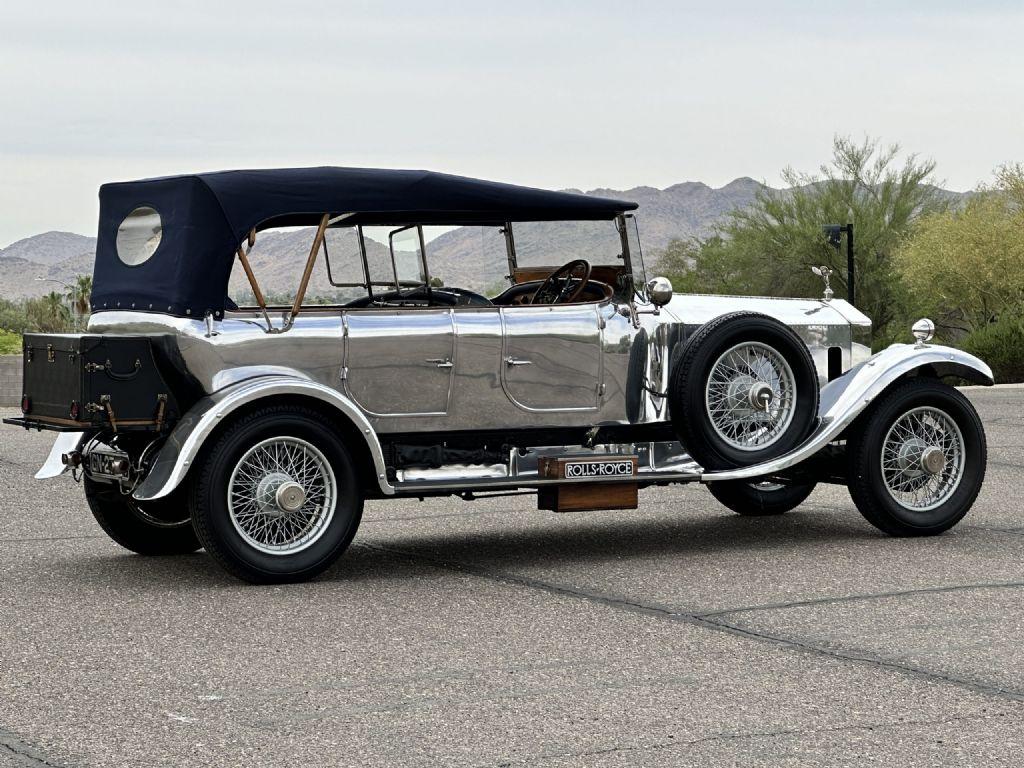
{"x": 66, "y": 442}
{"x": 175, "y": 457}
{"x": 845, "y": 398}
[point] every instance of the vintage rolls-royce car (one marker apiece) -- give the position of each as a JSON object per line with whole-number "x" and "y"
{"x": 258, "y": 431}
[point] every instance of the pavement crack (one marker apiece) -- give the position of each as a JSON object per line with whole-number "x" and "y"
{"x": 977, "y": 686}
{"x": 741, "y": 735}
{"x": 1013, "y": 531}
{"x": 859, "y": 597}
{"x": 23, "y": 754}
{"x": 613, "y": 601}
{"x": 714, "y": 621}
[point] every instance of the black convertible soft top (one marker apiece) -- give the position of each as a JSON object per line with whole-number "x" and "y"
{"x": 205, "y": 216}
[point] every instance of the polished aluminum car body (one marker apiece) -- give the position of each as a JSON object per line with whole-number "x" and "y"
{"x": 455, "y": 369}
{"x": 516, "y": 382}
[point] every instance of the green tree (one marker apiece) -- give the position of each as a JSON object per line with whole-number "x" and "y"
{"x": 966, "y": 267}
{"x": 48, "y": 314}
{"x": 706, "y": 266}
{"x": 769, "y": 247}
{"x": 13, "y": 317}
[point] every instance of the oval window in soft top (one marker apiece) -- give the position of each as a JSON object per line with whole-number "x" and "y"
{"x": 138, "y": 235}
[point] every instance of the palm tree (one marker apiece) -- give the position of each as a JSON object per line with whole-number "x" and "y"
{"x": 49, "y": 313}
{"x": 79, "y": 294}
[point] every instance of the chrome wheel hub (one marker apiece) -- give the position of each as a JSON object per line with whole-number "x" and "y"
{"x": 290, "y": 496}
{"x": 922, "y": 459}
{"x": 266, "y": 492}
{"x": 750, "y": 396}
{"x": 760, "y": 395}
{"x": 281, "y": 495}
{"x": 908, "y": 456}
{"x": 933, "y": 460}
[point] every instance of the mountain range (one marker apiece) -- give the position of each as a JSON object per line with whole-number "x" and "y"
{"x": 472, "y": 257}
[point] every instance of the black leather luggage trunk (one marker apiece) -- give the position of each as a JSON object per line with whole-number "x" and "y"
{"x": 80, "y": 381}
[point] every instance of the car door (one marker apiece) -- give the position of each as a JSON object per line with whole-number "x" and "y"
{"x": 400, "y": 362}
{"x": 552, "y": 357}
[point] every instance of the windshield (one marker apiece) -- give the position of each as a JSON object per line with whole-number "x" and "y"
{"x": 360, "y": 263}
{"x": 553, "y": 243}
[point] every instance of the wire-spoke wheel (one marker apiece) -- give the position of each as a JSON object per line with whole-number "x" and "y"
{"x": 922, "y": 458}
{"x": 916, "y": 459}
{"x": 750, "y": 396}
{"x": 743, "y": 390}
{"x": 281, "y": 495}
{"x": 277, "y": 497}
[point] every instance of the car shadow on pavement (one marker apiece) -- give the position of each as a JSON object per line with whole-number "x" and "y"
{"x": 603, "y": 538}
{"x": 381, "y": 554}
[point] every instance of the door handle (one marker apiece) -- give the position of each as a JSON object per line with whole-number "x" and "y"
{"x": 441, "y": 362}
{"x": 511, "y": 361}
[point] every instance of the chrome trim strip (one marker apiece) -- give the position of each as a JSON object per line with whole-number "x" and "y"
{"x": 843, "y": 399}
{"x": 476, "y": 484}
{"x": 175, "y": 457}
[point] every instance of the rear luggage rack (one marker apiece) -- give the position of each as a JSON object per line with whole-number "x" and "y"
{"x": 22, "y": 421}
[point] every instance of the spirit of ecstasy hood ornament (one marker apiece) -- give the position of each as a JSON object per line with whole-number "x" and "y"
{"x": 824, "y": 273}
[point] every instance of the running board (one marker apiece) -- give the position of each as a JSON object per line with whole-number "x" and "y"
{"x": 658, "y": 462}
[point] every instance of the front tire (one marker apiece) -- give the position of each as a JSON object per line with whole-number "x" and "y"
{"x": 277, "y": 498}
{"x": 753, "y": 499}
{"x": 916, "y": 459}
{"x": 162, "y": 527}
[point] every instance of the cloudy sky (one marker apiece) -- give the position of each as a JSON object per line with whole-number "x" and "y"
{"x": 556, "y": 94}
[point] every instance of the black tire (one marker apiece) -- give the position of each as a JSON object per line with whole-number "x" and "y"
{"x": 636, "y": 377}
{"x": 751, "y": 499}
{"x": 213, "y": 520}
{"x": 864, "y": 447}
{"x": 690, "y": 378}
{"x": 159, "y": 527}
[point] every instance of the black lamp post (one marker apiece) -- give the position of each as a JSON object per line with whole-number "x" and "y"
{"x": 834, "y": 233}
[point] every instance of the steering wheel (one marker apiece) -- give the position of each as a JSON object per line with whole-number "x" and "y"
{"x": 550, "y": 292}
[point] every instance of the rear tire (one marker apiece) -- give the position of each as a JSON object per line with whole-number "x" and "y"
{"x": 277, "y": 497}
{"x": 751, "y": 499}
{"x": 161, "y": 527}
{"x": 890, "y": 478}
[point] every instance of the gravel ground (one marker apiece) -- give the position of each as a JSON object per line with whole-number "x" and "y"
{"x": 491, "y": 634}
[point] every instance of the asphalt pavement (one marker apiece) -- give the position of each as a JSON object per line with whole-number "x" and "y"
{"x": 488, "y": 633}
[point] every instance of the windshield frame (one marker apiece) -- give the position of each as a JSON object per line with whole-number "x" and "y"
{"x": 627, "y": 288}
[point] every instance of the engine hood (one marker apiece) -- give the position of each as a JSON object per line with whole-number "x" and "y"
{"x": 697, "y": 309}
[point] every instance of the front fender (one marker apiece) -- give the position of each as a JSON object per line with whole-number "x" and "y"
{"x": 187, "y": 438}
{"x": 846, "y": 397}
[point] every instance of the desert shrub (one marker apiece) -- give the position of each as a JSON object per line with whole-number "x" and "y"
{"x": 13, "y": 317}
{"x": 965, "y": 267}
{"x": 1001, "y": 345}
{"x": 10, "y": 343}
